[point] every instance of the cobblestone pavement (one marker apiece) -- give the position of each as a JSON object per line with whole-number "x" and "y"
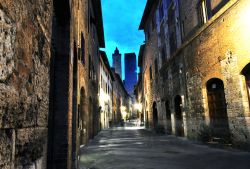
{"x": 136, "y": 148}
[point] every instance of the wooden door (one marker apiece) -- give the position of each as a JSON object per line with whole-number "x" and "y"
{"x": 217, "y": 107}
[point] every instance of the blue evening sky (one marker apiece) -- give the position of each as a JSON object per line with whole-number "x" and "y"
{"x": 121, "y": 21}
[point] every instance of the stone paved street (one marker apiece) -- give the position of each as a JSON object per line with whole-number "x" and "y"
{"x": 136, "y": 148}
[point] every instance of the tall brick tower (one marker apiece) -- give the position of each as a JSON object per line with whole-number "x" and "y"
{"x": 117, "y": 62}
{"x": 130, "y": 72}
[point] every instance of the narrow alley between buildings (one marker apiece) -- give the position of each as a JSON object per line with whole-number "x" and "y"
{"x": 138, "y": 148}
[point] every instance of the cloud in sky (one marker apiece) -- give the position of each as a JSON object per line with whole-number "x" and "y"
{"x": 121, "y": 21}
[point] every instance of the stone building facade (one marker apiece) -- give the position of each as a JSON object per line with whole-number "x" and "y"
{"x": 121, "y": 100}
{"x": 75, "y": 113}
{"x": 105, "y": 92}
{"x": 49, "y": 81}
{"x": 195, "y": 68}
{"x": 139, "y": 88}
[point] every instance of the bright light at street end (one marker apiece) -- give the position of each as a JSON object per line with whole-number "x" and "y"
{"x": 123, "y": 111}
{"x": 138, "y": 106}
{"x": 123, "y": 108}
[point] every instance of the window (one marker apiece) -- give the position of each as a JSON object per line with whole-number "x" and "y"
{"x": 163, "y": 57}
{"x": 148, "y": 35}
{"x": 153, "y": 22}
{"x": 208, "y": 8}
{"x": 182, "y": 29}
{"x": 172, "y": 30}
{"x": 156, "y": 67}
{"x": 150, "y": 72}
{"x": 90, "y": 67}
{"x": 89, "y": 15}
{"x": 161, "y": 12}
{"x": 101, "y": 80}
{"x": 92, "y": 75}
{"x": 82, "y": 49}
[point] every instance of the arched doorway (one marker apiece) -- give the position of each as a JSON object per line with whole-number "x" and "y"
{"x": 147, "y": 122}
{"x": 142, "y": 119}
{"x": 155, "y": 115}
{"x": 168, "y": 117}
{"x": 90, "y": 131}
{"x": 178, "y": 116}
{"x": 246, "y": 73}
{"x": 217, "y": 107}
{"x": 82, "y": 118}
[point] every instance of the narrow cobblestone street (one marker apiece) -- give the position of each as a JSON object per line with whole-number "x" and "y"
{"x": 137, "y": 148}
{"x": 72, "y": 71}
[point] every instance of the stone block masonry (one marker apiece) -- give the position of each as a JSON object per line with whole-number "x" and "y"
{"x": 48, "y": 80}
{"x": 25, "y": 29}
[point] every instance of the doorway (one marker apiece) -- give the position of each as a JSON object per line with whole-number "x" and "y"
{"x": 178, "y": 116}
{"x": 217, "y": 107}
{"x": 155, "y": 115}
{"x": 82, "y": 119}
{"x": 168, "y": 117}
{"x": 246, "y": 73}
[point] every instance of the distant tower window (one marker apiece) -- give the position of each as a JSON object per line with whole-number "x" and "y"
{"x": 156, "y": 67}
{"x": 150, "y": 72}
{"x": 148, "y": 35}
{"x": 161, "y": 12}
{"x": 82, "y": 49}
{"x": 163, "y": 57}
{"x": 208, "y": 8}
{"x": 101, "y": 81}
{"x": 153, "y": 22}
